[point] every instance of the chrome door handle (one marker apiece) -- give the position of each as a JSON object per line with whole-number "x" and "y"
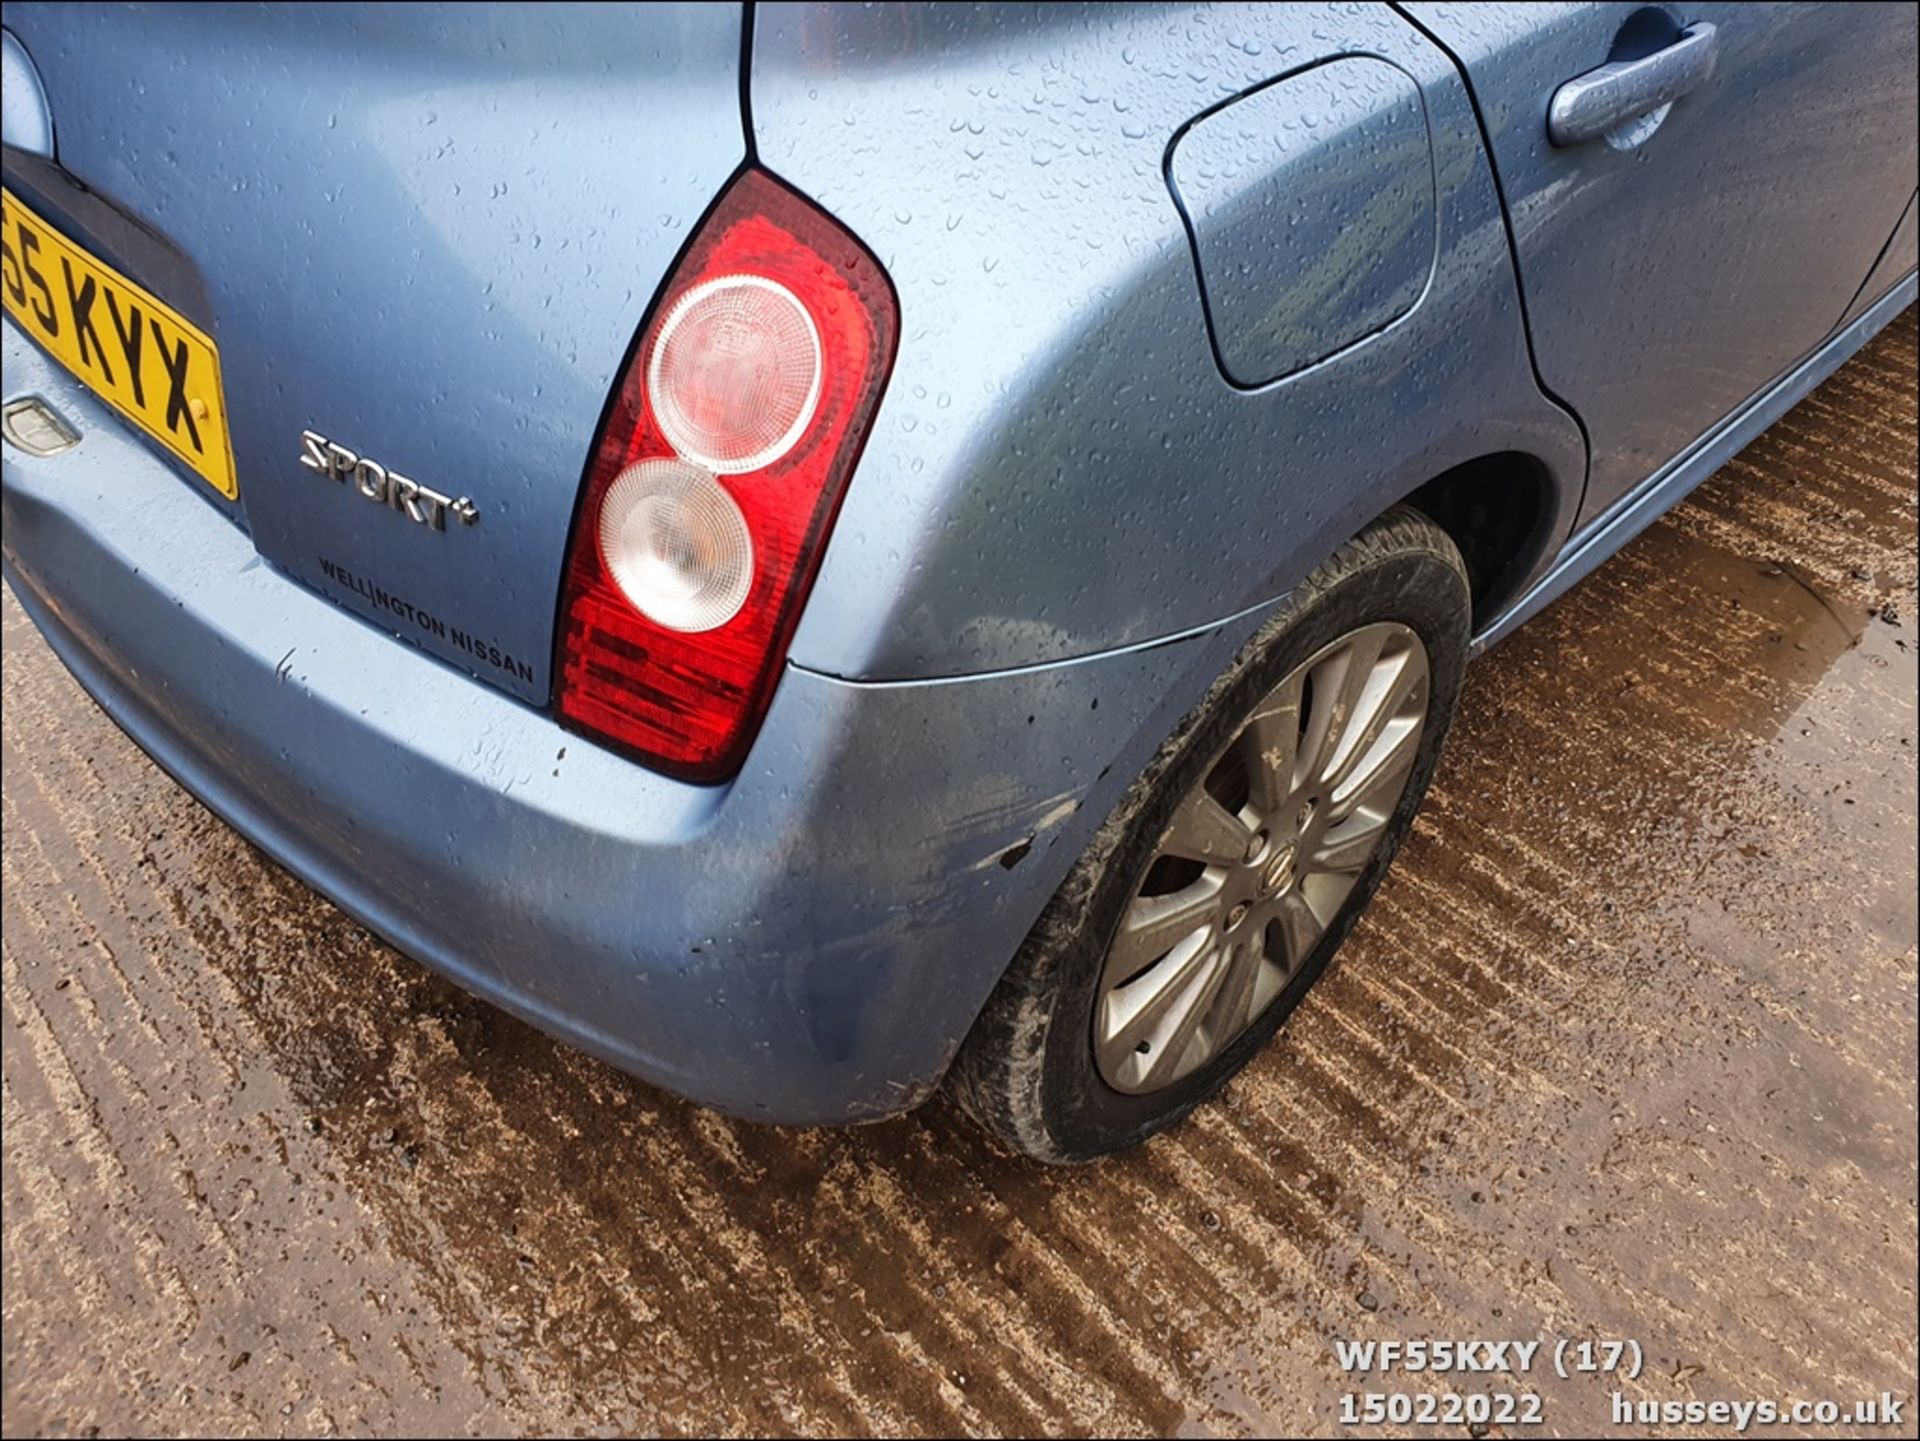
{"x": 1590, "y": 105}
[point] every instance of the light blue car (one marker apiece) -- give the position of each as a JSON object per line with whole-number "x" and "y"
{"x": 809, "y": 549}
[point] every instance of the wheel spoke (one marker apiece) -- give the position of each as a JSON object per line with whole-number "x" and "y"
{"x": 1270, "y": 747}
{"x": 1339, "y": 684}
{"x": 1326, "y": 891}
{"x": 1205, "y": 830}
{"x": 1154, "y": 925}
{"x": 1233, "y": 1008}
{"x": 1148, "y": 1008}
{"x": 1347, "y": 846}
{"x": 1394, "y": 680}
{"x": 1379, "y": 779}
{"x": 1300, "y": 930}
{"x": 1165, "y": 1060}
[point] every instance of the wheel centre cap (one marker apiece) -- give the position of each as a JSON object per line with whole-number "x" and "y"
{"x": 1279, "y": 872}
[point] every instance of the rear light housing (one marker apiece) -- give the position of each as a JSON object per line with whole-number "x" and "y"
{"x": 715, "y": 480}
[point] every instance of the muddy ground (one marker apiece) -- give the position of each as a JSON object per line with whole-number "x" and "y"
{"x": 1626, "y": 1050}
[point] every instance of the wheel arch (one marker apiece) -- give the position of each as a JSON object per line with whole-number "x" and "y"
{"x": 1500, "y": 511}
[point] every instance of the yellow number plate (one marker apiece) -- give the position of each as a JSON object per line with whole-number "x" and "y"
{"x": 144, "y": 358}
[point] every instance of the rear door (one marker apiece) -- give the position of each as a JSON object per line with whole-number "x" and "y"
{"x": 1675, "y": 266}
{"x": 426, "y": 234}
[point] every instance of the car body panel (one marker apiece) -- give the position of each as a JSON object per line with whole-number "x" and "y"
{"x": 423, "y": 233}
{"x": 1060, "y": 467}
{"x": 1724, "y": 248}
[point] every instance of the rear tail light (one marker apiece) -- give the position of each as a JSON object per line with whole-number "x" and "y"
{"x": 715, "y": 480}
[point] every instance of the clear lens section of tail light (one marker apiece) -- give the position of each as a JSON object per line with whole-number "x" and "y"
{"x": 676, "y": 544}
{"x": 735, "y": 374}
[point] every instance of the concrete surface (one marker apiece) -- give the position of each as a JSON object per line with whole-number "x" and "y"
{"x": 1626, "y": 1050}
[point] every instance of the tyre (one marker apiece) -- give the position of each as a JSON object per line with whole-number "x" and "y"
{"x": 1228, "y": 875}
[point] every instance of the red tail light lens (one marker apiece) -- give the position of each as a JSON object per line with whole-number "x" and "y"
{"x": 716, "y": 478}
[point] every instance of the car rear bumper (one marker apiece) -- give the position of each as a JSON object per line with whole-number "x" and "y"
{"x": 806, "y": 944}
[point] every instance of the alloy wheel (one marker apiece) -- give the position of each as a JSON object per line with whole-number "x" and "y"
{"x": 1260, "y": 856}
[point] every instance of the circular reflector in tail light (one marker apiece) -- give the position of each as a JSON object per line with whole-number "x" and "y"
{"x": 735, "y": 374}
{"x": 676, "y": 544}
